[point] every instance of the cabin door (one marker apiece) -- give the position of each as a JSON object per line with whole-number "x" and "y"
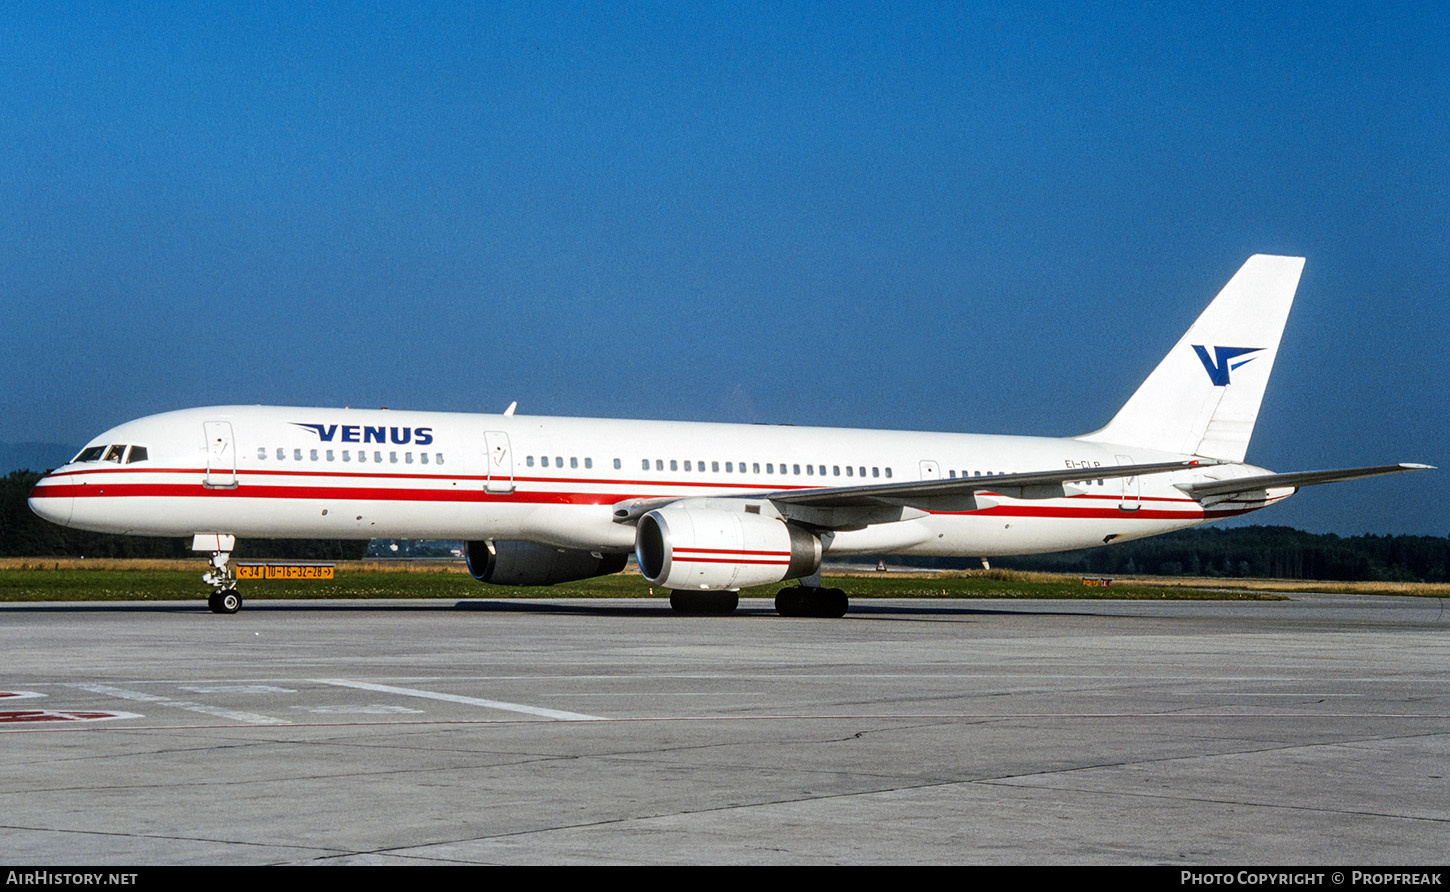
{"x": 500, "y": 462}
{"x": 1131, "y": 499}
{"x": 221, "y": 455}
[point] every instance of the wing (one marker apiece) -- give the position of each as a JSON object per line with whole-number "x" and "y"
{"x": 925, "y": 493}
{"x": 852, "y": 507}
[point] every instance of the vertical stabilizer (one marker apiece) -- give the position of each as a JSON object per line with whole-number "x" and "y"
{"x": 1204, "y": 397}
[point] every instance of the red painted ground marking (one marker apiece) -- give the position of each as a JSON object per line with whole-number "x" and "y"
{"x": 14, "y": 716}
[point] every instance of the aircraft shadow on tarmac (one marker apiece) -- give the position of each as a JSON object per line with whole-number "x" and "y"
{"x": 654, "y": 608}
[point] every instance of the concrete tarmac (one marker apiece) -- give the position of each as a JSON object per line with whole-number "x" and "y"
{"x": 1314, "y": 731}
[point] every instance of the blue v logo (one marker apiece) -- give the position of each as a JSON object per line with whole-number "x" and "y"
{"x": 1222, "y": 362}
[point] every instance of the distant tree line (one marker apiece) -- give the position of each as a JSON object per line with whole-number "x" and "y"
{"x": 23, "y": 534}
{"x": 1259, "y": 551}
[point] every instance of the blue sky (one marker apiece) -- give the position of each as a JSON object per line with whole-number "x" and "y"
{"x": 970, "y": 217}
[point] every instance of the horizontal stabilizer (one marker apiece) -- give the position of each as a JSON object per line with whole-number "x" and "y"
{"x": 1301, "y": 478}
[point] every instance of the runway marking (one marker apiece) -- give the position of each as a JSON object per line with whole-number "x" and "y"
{"x": 558, "y": 714}
{"x": 1257, "y": 694}
{"x": 246, "y": 718}
{"x": 27, "y": 716}
{"x": 370, "y": 709}
{"x": 236, "y": 689}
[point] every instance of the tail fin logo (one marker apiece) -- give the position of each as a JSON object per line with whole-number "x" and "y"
{"x": 1222, "y": 362}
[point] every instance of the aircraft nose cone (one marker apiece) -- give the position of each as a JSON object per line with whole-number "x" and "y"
{"x": 52, "y": 507}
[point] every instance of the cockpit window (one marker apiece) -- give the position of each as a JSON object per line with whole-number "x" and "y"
{"x": 90, "y": 453}
{"x": 116, "y": 452}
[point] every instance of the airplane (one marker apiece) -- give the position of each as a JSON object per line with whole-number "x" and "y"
{"x": 706, "y": 509}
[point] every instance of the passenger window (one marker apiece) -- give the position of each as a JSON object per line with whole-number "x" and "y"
{"x": 261, "y": 452}
{"x": 714, "y": 467}
{"x": 529, "y": 461}
{"x": 392, "y": 458}
{"x": 438, "y": 457}
{"x": 795, "y": 469}
{"x": 362, "y": 456}
{"x": 281, "y": 454}
{"x": 849, "y": 469}
{"x": 659, "y": 464}
{"x": 573, "y": 462}
{"x": 674, "y": 465}
{"x": 407, "y": 458}
{"x": 558, "y": 461}
{"x": 875, "y": 472}
{"x": 297, "y": 455}
{"x": 756, "y": 467}
{"x": 769, "y": 468}
{"x": 346, "y": 455}
{"x": 544, "y": 460}
{"x": 810, "y": 471}
{"x": 588, "y": 463}
{"x": 687, "y": 464}
{"x": 423, "y": 457}
{"x": 378, "y": 456}
{"x": 888, "y": 473}
{"x": 331, "y": 456}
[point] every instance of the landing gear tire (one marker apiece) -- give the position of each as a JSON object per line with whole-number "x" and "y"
{"x": 825, "y": 603}
{"x": 224, "y": 602}
{"x": 704, "y": 603}
{"x": 832, "y": 603}
{"x": 791, "y": 601}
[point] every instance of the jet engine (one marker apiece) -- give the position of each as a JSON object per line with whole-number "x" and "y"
{"x": 685, "y": 547}
{"x": 512, "y": 562}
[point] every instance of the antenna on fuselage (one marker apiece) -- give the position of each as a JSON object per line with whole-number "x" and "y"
{"x": 509, "y": 412}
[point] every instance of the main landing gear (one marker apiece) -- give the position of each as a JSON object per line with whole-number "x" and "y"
{"x": 797, "y": 600}
{"x": 810, "y": 600}
{"x": 224, "y": 597}
{"x": 704, "y": 603}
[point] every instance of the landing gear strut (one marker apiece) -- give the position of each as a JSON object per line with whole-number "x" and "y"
{"x": 224, "y": 597}
{"x": 810, "y": 600}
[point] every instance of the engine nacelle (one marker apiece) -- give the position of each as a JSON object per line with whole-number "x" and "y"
{"x": 691, "y": 548}
{"x": 512, "y": 562}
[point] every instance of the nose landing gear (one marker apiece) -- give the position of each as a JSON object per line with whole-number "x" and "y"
{"x": 223, "y": 581}
{"x": 224, "y": 597}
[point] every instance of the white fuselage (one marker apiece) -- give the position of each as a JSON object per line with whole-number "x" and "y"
{"x": 260, "y": 471}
